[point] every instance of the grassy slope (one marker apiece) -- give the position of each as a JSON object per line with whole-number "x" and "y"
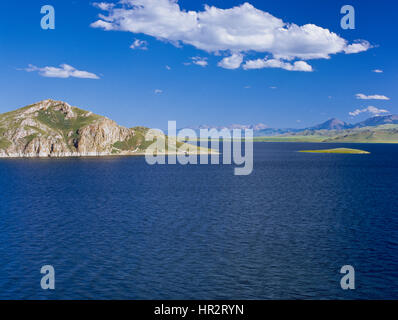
{"x": 7, "y": 120}
{"x": 56, "y": 120}
{"x": 136, "y": 141}
{"x": 368, "y": 136}
{"x": 380, "y": 134}
{"x": 4, "y": 143}
{"x": 297, "y": 138}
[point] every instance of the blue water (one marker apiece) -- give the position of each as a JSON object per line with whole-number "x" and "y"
{"x": 117, "y": 228}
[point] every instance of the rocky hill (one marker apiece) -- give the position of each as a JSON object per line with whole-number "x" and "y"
{"x": 55, "y": 129}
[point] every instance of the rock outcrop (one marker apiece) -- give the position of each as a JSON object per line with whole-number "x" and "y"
{"x": 55, "y": 129}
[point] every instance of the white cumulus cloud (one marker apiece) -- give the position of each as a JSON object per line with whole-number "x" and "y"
{"x": 237, "y": 31}
{"x": 103, "y": 5}
{"x": 359, "y": 46}
{"x": 275, "y": 63}
{"x": 378, "y": 71}
{"x": 362, "y": 96}
{"x": 139, "y": 44}
{"x": 64, "y": 71}
{"x": 232, "y": 62}
{"x": 200, "y": 61}
{"x": 372, "y": 110}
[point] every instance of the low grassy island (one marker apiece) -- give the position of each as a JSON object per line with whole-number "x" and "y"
{"x": 338, "y": 150}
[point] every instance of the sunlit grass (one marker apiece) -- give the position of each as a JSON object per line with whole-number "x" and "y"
{"x": 338, "y": 150}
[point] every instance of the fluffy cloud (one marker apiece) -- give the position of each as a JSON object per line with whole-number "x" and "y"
{"x": 199, "y": 61}
{"x": 275, "y": 63}
{"x": 372, "y": 110}
{"x": 378, "y": 71}
{"x": 372, "y": 97}
{"x": 237, "y": 30}
{"x": 103, "y": 5}
{"x": 65, "y": 71}
{"x": 232, "y": 62}
{"x": 158, "y": 91}
{"x": 139, "y": 44}
{"x": 357, "y": 47}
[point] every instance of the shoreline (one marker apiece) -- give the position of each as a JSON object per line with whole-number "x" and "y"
{"x": 104, "y": 155}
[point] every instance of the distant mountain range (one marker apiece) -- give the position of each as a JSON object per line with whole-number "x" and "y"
{"x": 377, "y": 121}
{"x": 331, "y": 124}
{"x": 259, "y": 129}
{"x": 378, "y": 129}
{"x": 334, "y": 124}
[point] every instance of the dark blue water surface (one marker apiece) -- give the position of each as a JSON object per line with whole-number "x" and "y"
{"x": 117, "y": 228}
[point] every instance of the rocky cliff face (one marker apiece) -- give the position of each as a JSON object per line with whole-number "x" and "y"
{"x": 55, "y": 129}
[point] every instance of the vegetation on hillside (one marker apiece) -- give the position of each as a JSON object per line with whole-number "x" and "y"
{"x": 338, "y": 150}
{"x": 67, "y": 127}
{"x": 378, "y": 134}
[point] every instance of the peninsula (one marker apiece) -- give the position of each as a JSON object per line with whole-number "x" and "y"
{"x": 55, "y": 129}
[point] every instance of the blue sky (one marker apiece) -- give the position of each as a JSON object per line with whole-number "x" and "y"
{"x": 134, "y": 86}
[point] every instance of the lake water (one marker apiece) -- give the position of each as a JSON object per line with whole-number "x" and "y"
{"x": 117, "y": 228}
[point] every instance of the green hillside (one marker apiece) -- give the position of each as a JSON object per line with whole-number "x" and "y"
{"x": 378, "y": 134}
{"x": 52, "y": 128}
